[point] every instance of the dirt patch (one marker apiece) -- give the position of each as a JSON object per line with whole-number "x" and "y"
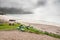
{"x": 18, "y": 35}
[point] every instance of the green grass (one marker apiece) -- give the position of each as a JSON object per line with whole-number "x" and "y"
{"x": 52, "y": 35}
{"x": 6, "y": 26}
{"x": 34, "y": 30}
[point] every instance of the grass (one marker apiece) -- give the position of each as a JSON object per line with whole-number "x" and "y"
{"x": 6, "y": 26}
{"x": 52, "y": 35}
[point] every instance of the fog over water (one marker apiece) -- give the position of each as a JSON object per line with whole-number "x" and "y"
{"x": 47, "y": 10}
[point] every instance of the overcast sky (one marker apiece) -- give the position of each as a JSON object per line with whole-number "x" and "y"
{"x": 45, "y": 9}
